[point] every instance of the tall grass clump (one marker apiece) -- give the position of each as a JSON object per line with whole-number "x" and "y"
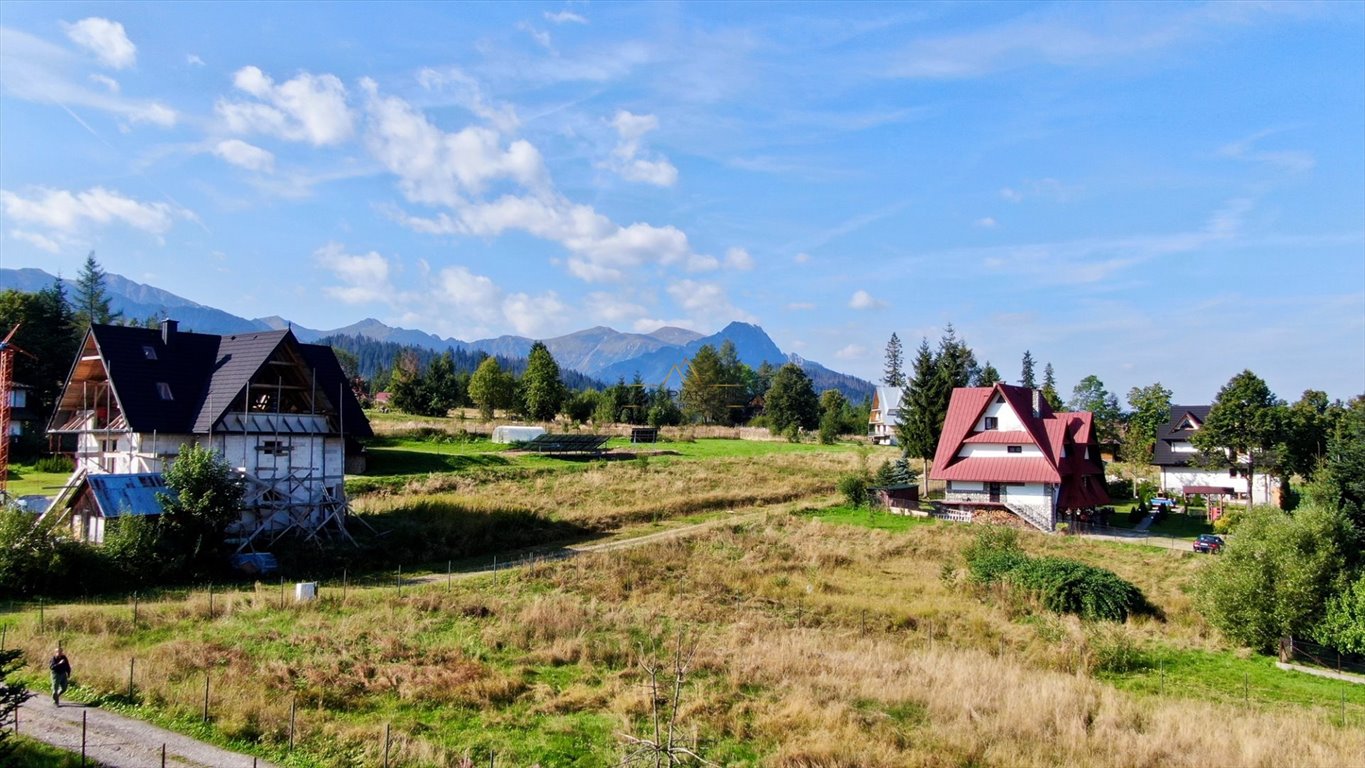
{"x": 1059, "y": 584}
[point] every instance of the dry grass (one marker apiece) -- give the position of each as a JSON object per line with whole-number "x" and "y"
{"x": 820, "y": 645}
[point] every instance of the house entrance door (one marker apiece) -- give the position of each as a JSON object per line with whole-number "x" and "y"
{"x": 995, "y": 491}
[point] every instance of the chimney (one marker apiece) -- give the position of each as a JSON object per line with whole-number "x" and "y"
{"x": 168, "y": 327}
{"x": 1037, "y": 403}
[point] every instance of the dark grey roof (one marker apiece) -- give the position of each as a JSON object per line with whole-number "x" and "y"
{"x": 205, "y": 374}
{"x": 1162, "y": 455}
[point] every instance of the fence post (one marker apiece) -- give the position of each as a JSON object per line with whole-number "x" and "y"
{"x": 4, "y": 630}
{"x": 386, "y": 745}
{"x": 399, "y": 582}
{"x": 134, "y": 610}
{"x": 1246, "y": 689}
{"x": 40, "y": 615}
{"x": 343, "y": 586}
{"x": 862, "y": 623}
{"x": 163, "y": 756}
{"x": 206, "y": 697}
{"x": 83, "y": 713}
{"x": 131, "y": 663}
{"x": 448, "y": 575}
{"x": 210, "y": 601}
{"x": 1163, "y": 677}
{"x": 293, "y": 708}
{"x": 281, "y": 593}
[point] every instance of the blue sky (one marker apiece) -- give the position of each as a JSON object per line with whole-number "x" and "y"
{"x": 1144, "y": 192}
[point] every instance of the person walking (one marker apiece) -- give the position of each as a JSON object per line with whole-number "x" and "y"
{"x": 60, "y": 667}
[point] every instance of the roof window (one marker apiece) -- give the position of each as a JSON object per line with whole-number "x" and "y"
{"x": 164, "y": 390}
{"x": 148, "y": 351}
{"x": 999, "y": 399}
{"x": 1015, "y": 449}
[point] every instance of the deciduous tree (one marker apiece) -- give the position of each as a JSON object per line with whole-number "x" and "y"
{"x": 1242, "y": 429}
{"x": 490, "y": 388}
{"x": 791, "y": 400}
{"x": 1151, "y": 410}
{"x": 205, "y": 497}
{"x": 1090, "y": 395}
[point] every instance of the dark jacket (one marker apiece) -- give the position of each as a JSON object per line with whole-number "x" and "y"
{"x": 60, "y": 664}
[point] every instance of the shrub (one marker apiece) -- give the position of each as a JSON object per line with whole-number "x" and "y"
{"x": 55, "y": 464}
{"x": 1061, "y": 585}
{"x": 854, "y": 490}
{"x": 1121, "y": 489}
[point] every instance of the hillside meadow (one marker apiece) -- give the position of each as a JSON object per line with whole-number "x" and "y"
{"x": 820, "y": 637}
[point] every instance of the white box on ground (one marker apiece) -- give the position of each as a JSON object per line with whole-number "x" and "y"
{"x": 305, "y": 591}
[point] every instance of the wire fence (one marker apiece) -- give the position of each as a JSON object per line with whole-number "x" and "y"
{"x": 1294, "y": 649}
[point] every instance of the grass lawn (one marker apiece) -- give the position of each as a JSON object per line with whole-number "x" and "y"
{"x": 30, "y": 753}
{"x": 867, "y": 517}
{"x": 24, "y": 481}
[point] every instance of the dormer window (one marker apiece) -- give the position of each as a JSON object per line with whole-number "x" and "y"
{"x": 148, "y": 352}
{"x": 991, "y": 422}
{"x": 999, "y": 399}
{"x": 1015, "y": 449}
{"x": 164, "y": 390}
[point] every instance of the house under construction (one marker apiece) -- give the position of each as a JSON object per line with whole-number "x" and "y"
{"x": 279, "y": 411}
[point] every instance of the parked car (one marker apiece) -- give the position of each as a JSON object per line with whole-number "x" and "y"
{"x": 1209, "y": 543}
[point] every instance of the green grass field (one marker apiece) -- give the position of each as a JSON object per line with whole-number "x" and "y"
{"x": 24, "y": 481}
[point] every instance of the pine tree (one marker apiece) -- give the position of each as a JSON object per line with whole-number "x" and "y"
{"x": 989, "y": 376}
{"x": 13, "y": 693}
{"x": 956, "y": 362}
{"x": 916, "y": 430}
{"x": 92, "y": 299}
{"x": 542, "y": 389}
{"x": 893, "y": 375}
{"x": 1050, "y": 388}
{"x": 703, "y": 394}
{"x": 1026, "y": 375}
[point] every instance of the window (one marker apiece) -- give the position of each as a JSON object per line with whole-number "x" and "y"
{"x": 148, "y": 351}
{"x": 274, "y": 448}
{"x": 1015, "y": 449}
{"x": 992, "y": 422}
{"x": 164, "y": 390}
{"x": 999, "y": 399}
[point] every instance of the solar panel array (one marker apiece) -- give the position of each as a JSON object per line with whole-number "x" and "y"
{"x": 568, "y": 443}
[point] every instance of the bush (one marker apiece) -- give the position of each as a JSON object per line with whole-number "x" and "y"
{"x": 1061, "y": 585}
{"x": 55, "y": 465}
{"x": 1121, "y": 489}
{"x": 854, "y": 490}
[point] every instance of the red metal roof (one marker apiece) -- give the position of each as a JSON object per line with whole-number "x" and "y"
{"x": 1000, "y": 469}
{"x": 996, "y": 436}
{"x": 1081, "y": 478}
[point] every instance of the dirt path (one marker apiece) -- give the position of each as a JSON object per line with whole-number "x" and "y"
{"x": 121, "y": 742}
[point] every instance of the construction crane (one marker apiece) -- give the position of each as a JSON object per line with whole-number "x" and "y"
{"x": 7, "y": 350}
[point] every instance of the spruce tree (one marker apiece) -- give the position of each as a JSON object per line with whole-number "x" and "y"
{"x": 541, "y": 387}
{"x": 92, "y": 298}
{"x": 1026, "y": 378}
{"x": 893, "y": 375}
{"x": 703, "y": 394}
{"x": 916, "y": 430}
{"x": 1050, "y": 388}
{"x": 791, "y": 401}
{"x": 989, "y": 376}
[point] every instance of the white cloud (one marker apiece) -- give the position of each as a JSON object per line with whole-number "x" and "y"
{"x": 193, "y": 60}
{"x": 801, "y": 258}
{"x": 245, "y": 155}
{"x": 864, "y": 300}
{"x": 36, "y": 240}
{"x": 564, "y": 17}
{"x": 104, "y": 38}
{"x": 535, "y": 316}
{"x": 308, "y": 108}
{"x": 738, "y": 258}
{"x": 38, "y": 71}
{"x": 364, "y": 277}
{"x": 986, "y": 222}
{"x": 1289, "y": 160}
{"x": 800, "y": 306}
{"x": 440, "y": 168}
{"x": 109, "y": 83}
{"x": 470, "y": 295}
{"x": 468, "y": 94}
{"x": 706, "y": 303}
{"x": 63, "y": 211}
{"x": 541, "y": 37}
{"x": 611, "y": 308}
{"x": 630, "y": 160}
{"x": 852, "y": 352}
{"x": 1047, "y": 189}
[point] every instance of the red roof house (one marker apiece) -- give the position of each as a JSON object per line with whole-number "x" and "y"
{"x": 1003, "y": 448}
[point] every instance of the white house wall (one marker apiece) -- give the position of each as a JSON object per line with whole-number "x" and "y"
{"x": 1175, "y": 478}
{"x": 996, "y": 450}
{"x": 1008, "y": 421}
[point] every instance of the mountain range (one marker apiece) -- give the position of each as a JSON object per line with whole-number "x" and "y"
{"x": 600, "y": 352}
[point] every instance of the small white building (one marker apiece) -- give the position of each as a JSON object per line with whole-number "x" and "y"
{"x": 1178, "y": 462}
{"x": 516, "y": 433}
{"x": 886, "y": 411}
